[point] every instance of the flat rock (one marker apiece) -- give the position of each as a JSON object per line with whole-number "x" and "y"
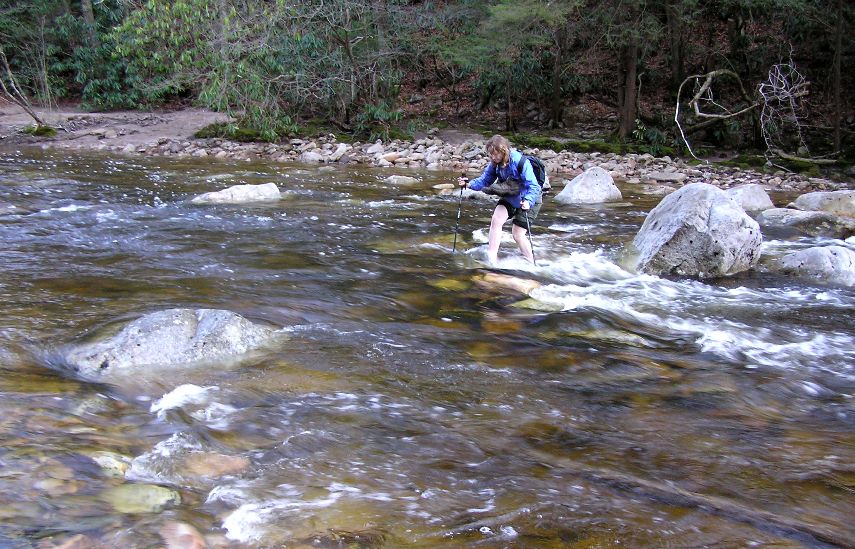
{"x": 241, "y": 194}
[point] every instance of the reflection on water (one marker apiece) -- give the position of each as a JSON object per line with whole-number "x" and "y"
{"x": 413, "y": 404}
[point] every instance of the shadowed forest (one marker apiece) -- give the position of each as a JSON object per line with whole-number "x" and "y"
{"x": 762, "y": 75}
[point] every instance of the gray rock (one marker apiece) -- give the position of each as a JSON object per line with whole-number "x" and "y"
{"x": 668, "y": 176}
{"x": 376, "y": 148}
{"x": 401, "y": 180}
{"x": 339, "y": 152}
{"x": 171, "y": 338}
{"x": 809, "y": 223}
{"x": 311, "y": 157}
{"x": 751, "y": 197}
{"x": 590, "y": 187}
{"x": 829, "y": 264}
{"x": 240, "y": 194}
{"x": 835, "y": 202}
{"x": 697, "y": 231}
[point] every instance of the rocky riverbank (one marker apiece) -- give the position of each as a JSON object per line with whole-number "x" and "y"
{"x": 169, "y": 135}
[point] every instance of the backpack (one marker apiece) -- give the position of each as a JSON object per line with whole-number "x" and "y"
{"x": 511, "y": 185}
{"x": 539, "y": 169}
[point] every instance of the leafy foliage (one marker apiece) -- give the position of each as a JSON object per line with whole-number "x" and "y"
{"x": 274, "y": 64}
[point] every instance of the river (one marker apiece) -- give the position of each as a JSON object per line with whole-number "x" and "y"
{"x": 412, "y": 404}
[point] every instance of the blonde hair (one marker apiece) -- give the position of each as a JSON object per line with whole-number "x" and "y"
{"x": 499, "y": 144}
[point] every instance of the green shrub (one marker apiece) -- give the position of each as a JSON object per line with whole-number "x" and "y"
{"x": 40, "y": 131}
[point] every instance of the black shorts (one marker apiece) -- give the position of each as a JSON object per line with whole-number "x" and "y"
{"x": 519, "y": 215}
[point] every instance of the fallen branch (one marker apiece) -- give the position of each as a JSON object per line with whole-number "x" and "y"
{"x": 819, "y": 161}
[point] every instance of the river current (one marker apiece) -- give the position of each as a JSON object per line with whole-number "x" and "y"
{"x": 414, "y": 403}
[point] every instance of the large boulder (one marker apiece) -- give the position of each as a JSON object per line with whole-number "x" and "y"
{"x": 829, "y": 264}
{"x": 697, "y": 231}
{"x": 751, "y": 197}
{"x": 240, "y": 194}
{"x": 592, "y": 186}
{"x": 785, "y": 220}
{"x": 835, "y": 202}
{"x": 171, "y": 338}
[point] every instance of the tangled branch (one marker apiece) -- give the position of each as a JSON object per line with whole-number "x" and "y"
{"x": 781, "y": 98}
{"x": 706, "y": 106}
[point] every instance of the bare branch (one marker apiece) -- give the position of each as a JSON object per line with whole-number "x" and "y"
{"x": 15, "y": 95}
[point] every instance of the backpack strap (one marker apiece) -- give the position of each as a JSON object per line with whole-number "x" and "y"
{"x": 520, "y": 165}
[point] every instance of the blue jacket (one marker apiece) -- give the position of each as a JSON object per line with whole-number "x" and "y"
{"x": 529, "y": 189}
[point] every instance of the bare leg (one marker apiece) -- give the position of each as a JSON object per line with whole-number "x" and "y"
{"x": 521, "y": 237}
{"x": 500, "y": 215}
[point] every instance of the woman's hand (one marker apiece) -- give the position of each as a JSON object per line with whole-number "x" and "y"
{"x": 525, "y": 205}
{"x": 462, "y": 181}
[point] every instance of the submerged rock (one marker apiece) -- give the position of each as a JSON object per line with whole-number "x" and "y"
{"x": 140, "y": 498}
{"x": 180, "y": 535}
{"x": 590, "y": 187}
{"x": 697, "y": 231}
{"x": 172, "y": 337}
{"x": 492, "y": 280}
{"x": 239, "y": 194}
{"x": 830, "y": 264}
{"x": 810, "y": 223}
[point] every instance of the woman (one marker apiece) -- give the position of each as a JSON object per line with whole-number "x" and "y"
{"x": 522, "y": 204}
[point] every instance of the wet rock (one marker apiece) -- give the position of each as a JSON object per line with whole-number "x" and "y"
{"x": 140, "y": 498}
{"x": 173, "y": 337}
{"x": 697, "y": 231}
{"x": 79, "y": 541}
{"x": 241, "y": 194}
{"x": 835, "y": 202}
{"x": 209, "y": 465}
{"x": 590, "y": 187}
{"x": 752, "y": 197}
{"x": 112, "y": 464}
{"x": 829, "y": 264}
{"x": 537, "y": 305}
{"x": 809, "y": 223}
{"x": 179, "y": 535}
{"x": 400, "y": 180}
{"x": 492, "y": 280}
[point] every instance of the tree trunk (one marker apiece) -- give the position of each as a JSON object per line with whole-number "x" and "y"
{"x": 838, "y": 55}
{"x": 630, "y": 91}
{"x": 510, "y": 123}
{"x": 556, "y": 106}
{"x": 89, "y": 22}
{"x": 675, "y": 39}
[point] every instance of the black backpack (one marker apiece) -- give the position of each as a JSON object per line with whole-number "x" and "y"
{"x": 539, "y": 169}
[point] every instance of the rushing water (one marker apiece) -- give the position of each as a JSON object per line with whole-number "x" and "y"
{"x": 412, "y": 405}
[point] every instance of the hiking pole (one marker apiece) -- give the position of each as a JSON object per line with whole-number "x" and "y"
{"x": 457, "y": 225}
{"x": 528, "y": 226}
